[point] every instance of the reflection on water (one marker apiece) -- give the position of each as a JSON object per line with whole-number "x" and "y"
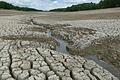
{"x": 105, "y": 65}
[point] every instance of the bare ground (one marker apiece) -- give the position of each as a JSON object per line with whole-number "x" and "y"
{"x": 112, "y": 13}
{"x": 79, "y": 25}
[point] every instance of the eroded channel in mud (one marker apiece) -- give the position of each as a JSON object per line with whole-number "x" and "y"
{"x": 62, "y": 48}
{"x": 63, "y": 45}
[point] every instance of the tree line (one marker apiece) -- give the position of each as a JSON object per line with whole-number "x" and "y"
{"x": 5, "y": 5}
{"x": 80, "y": 7}
{"x": 91, "y": 6}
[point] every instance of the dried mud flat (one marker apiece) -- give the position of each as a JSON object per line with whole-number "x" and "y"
{"x": 26, "y": 42}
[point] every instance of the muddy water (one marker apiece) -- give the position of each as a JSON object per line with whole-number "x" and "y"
{"x": 62, "y": 48}
{"x": 62, "y": 44}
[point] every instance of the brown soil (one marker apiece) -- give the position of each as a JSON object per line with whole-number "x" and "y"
{"x": 111, "y": 13}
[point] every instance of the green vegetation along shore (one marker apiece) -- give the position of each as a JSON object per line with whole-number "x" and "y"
{"x": 5, "y": 5}
{"x": 91, "y": 6}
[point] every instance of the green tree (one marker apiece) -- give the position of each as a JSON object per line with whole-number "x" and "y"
{"x": 5, "y": 5}
{"x": 109, "y": 3}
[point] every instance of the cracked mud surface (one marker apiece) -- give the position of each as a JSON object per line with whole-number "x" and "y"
{"x": 24, "y": 57}
{"x": 44, "y": 64}
{"x": 88, "y": 38}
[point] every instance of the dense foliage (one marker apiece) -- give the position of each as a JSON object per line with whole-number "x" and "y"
{"x": 80, "y": 7}
{"x": 5, "y": 5}
{"x": 91, "y": 6}
{"x": 109, "y": 3}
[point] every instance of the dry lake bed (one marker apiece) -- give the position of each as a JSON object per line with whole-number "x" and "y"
{"x": 81, "y": 45}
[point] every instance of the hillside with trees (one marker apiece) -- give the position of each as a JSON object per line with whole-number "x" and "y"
{"x": 5, "y": 5}
{"x": 80, "y": 7}
{"x": 91, "y": 6}
{"x": 109, "y": 3}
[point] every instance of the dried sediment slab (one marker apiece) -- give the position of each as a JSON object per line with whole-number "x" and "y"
{"x": 44, "y": 64}
{"x": 17, "y": 28}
